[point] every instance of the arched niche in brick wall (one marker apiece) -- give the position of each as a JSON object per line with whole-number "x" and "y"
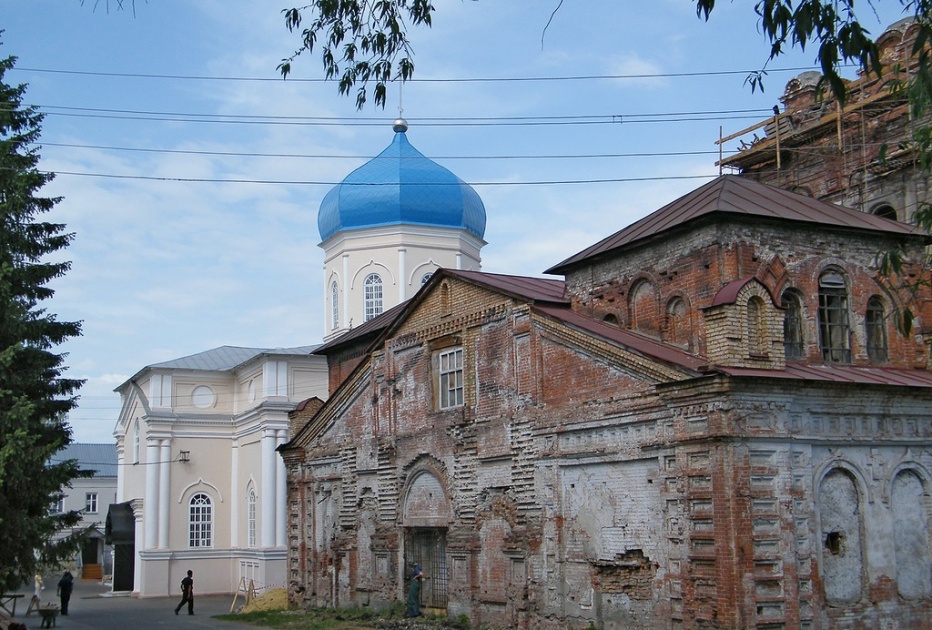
{"x": 425, "y": 501}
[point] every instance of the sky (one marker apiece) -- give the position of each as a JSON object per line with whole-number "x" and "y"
{"x": 191, "y": 173}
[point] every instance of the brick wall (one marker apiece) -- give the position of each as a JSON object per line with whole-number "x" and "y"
{"x": 582, "y": 482}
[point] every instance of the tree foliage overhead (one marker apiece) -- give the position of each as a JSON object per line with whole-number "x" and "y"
{"x": 363, "y": 42}
{"x": 359, "y": 41}
{"x": 34, "y": 395}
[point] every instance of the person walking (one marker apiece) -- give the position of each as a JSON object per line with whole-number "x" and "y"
{"x": 187, "y": 593}
{"x": 65, "y": 586}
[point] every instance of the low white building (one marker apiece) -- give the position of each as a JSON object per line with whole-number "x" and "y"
{"x": 92, "y": 496}
{"x": 202, "y": 487}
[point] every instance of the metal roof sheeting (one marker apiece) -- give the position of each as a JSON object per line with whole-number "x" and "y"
{"x": 101, "y": 458}
{"x": 226, "y": 358}
{"x": 734, "y": 195}
{"x": 834, "y": 373}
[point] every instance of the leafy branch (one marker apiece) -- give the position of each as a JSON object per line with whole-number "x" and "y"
{"x": 360, "y": 41}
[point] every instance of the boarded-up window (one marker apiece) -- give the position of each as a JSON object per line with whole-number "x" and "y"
{"x": 678, "y": 328}
{"x": 643, "y": 305}
{"x": 792, "y": 326}
{"x": 875, "y": 329}
{"x": 840, "y": 512}
{"x": 756, "y": 327}
{"x": 911, "y": 536}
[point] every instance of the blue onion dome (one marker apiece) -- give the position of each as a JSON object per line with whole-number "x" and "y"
{"x": 398, "y": 186}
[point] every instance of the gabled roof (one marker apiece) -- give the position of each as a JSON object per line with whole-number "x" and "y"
{"x": 101, "y": 458}
{"x": 740, "y": 196}
{"x": 523, "y": 287}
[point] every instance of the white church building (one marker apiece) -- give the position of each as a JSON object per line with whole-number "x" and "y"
{"x": 200, "y": 485}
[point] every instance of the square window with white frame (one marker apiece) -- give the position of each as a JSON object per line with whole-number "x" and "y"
{"x": 449, "y": 364}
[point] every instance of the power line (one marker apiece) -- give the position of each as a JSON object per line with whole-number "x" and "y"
{"x": 539, "y": 122}
{"x": 380, "y": 120}
{"x": 368, "y": 157}
{"x": 471, "y": 121}
{"x": 587, "y": 77}
{"x": 209, "y": 180}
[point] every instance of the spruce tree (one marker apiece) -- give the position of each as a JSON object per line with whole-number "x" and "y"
{"x": 34, "y": 395}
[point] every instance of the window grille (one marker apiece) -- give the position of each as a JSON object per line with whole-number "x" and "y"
{"x": 834, "y": 329}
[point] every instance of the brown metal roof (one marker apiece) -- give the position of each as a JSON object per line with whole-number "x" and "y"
{"x": 833, "y": 373}
{"x": 369, "y": 328}
{"x": 521, "y": 287}
{"x": 729, "y": 293}
{"x": 524, "y": 287}
{"x": 734, "y": 195}
{"x": 637, "y": 342}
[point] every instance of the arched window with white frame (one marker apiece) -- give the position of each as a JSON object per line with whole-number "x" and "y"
{"x": 372, "y": 293}
{"x": 136, "y": 441}
{"x": 251, "y": 518}
{"x": 334, "y": 306}
{"x": 200, "y": 521}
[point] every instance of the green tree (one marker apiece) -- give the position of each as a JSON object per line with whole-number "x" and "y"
{"x": 34, "y": 396}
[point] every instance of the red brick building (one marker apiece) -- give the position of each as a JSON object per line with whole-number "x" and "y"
{"x": 712, "y": 422}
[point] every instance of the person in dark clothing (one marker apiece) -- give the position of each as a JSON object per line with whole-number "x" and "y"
{"x": 65, "y": 586}
{"x": 187, "y": 593}
{"x": 414, "y": 591}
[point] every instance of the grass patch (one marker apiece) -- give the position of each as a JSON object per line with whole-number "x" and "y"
{"x": 312, "y": 619}
{"x": 344, "y": 619}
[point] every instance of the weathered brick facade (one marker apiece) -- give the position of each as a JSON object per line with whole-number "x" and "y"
{"x": 633, "y": 447}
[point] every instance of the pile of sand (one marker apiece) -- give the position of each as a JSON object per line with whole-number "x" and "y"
{"x": 272, "y": 599}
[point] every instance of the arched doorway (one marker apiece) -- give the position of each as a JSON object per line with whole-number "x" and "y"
{"x": 427, "y": 515}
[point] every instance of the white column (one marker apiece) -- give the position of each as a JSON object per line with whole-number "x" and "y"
{"x": 234, "y": 496}
{"x": 121, "y": 460}
{"x": 345, "y": 315}
{"x": 150, "y": 515}
{"x": 164, "y": 486}
{"x": 459, "y": 260}
{"x": 402, "y": 275}
{"x": 268, "y": 488}
{"x": 138, "y": 544}
{"x": 281, "y": 491}
{"x": 327, "y": 317}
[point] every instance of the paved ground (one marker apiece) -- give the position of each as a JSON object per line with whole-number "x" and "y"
{"x": 92, "y": 608}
